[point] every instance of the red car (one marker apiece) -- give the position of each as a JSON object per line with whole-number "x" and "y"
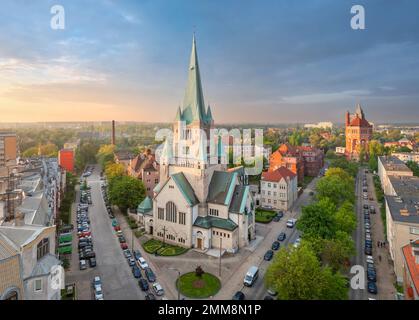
{"x": 84, "y": 234}
{"x": 117, "y": 228}
{"x": 124, "y": 246}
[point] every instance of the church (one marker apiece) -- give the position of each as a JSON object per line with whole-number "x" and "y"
{"x": 198, "y": 202}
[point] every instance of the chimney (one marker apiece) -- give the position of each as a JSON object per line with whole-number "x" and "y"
{"x": 19, "y": 219}
{"x": 347, "y": 118}
{"x": 404, "y": 212}
{"x": 113, "y": 133}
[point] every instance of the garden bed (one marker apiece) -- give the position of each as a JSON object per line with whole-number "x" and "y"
{"x": 264, "y": 215}
{"x": 154, "y": 246}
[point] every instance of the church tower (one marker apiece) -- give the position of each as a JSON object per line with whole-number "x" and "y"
{"x": 358, "y": 134}
{"x": 191, "y": 152}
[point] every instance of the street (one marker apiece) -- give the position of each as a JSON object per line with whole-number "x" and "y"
{"x": 112, "y": 267}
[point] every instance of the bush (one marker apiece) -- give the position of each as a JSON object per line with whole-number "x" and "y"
{"x": 264, "y": 216}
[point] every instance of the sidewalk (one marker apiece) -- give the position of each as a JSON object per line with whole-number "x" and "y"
{"x": 385, "y": 271}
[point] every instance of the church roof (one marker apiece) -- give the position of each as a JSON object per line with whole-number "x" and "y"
{"x": 185, "y": 187}
{"x": 193, "y": 108}
{"x": 208, "y": 222}
{"x": 239, "y": 199}
{"x": 145, "y": 206}
{"x": 221, "y": 187}
{"x": 359, "y": 122}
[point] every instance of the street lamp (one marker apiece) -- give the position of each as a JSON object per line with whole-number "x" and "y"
{"x": 178, "y": 290}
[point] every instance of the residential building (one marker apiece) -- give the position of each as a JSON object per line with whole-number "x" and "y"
{"x": 11, "y": 273}
{"x": 8, "y": 149}
{"x": 35, "y": 246}
{"x": 391, "y": 166}
{"x": 411, "y": 270}
{"x": 123, "y": 157}
{"x": 407, "y": 156}
{"x": 278, "y": 189}
{"x": 313, "y": 160}
{"x": 320, "y": 125}
{"x": 404, "y": 142}
{"x": 289, "y": 157}
{"x": 66, "y": 159}
{"x": 198, "y": 203}
{"x": 402, "y": 217}
{"x": 358, "y": 132}
{"x": 145, "y": 168}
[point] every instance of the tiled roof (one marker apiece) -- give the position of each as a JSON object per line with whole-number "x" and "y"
{"x": 215, "y": 222}
{"x": 278, "y": 174}
{"x": 358, "y": 122}
{"x": 221, "y": 187}
{"x": 44, "y": 266}
{"x": 412, "y": 265}
{"x": 185, "y": 187}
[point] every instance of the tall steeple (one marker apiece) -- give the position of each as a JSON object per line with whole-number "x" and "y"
{"x": 193, "y": 108}
{"x": 359, "y": 111}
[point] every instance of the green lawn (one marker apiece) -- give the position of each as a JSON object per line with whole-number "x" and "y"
{"x": 199, "y": 288}
{"x": 153, "y": 245}
{"x": 264, "y": 216}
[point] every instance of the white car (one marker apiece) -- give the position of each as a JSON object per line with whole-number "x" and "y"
{"x": 98, "y": 292}
{"x": 291, "y": 223}
{"x": 370, "y": 259}
{"x": 158, "y": 289}
{"x": 142, "y": 263}
{"x": 297, "y": 243}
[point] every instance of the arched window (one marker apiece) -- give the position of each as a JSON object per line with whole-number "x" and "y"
{"x": 171, "y": 212}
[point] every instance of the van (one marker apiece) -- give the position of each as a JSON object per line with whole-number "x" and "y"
{"x": 251, "y": 276}
{"x": 291, "y": 223}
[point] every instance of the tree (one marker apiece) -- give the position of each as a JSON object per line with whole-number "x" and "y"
{"x": 49, "y": 150}
{"x": 336, "y": 189}
{"x": 126, "y": 192}
{"x": 345, "y": 217}
{"x": 340, "y": 173}
{"x": 295, "y": 139}
{"x": 113, "y": 170}
{"x": 336, "y": 252}
{"x": 317, "y": 220}
{"x": 105, "y": 154}
{"x": 86, "y": 154}
{"x": 414, "y": 167}
{"x": 31, "y": 152}
{"x": 296, "y": 274}
{"x": 375, "y": 148}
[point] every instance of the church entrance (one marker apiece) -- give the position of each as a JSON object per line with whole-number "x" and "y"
{"x": 151, "y": 230}
{"x": 199, "y": 243}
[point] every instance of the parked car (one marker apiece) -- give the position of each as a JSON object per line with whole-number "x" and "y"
{"x": 370, "y": 259}
{"x": 368, "y": 250}
{"x": 158, "y": 289}
{"x": 131, "y": 261}
{"x": 137, "y": 254}
{"x": 92, "y": 262}
{"x": 371, "y": 275}
{"x": 96, "y": 281}
{"x": 365, "y": 206}
{"x": 151, "y": 277}
{"x": 143, "y": 284}
{"x": 122, "y": 239}
{"x": 124, "y": 246}
{"x": 297, "y": 242}
{"x": 238, "y": 296}
{"x": 150, "y": 296}
{"x": 291, "y": 223}
{"x": 142, "y": 263}
{"x": 275, "y": 245}
{"x": 372, "y": 287}
{"x": 127, "y": 253}
{"x": 98, "y": 292}
{"x": 83, "y": 264}
{"x": 282, "y": 236}
{"x": 136, "y": 271}
{"x": 268, "y": 255}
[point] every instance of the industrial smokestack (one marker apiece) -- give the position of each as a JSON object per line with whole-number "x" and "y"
{"x": 113, "y": 133}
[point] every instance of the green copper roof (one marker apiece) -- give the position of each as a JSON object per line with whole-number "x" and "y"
{"x": 145, "y": 206}
{"x": 193, "y": 108}
{"x": 214, "y": 222}
{"x": 221, "y": 187}
{"x": 239, "y": 199}
{"x": 185, "y": 187}
{"x": 209, "y": 114}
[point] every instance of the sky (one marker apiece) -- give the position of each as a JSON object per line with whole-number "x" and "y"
{"x": 267, "y": 61}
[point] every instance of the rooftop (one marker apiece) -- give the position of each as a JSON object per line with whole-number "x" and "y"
{"x": 411, "y": 258}
{"x": 278, "y": 174}
{"x": 391, "y": 163}
{"x": 214, "y": 222}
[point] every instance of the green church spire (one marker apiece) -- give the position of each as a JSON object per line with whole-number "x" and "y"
{"x": 193, "y": 108}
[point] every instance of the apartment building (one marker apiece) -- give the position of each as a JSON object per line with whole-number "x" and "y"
{"x": 278, "y": 189}
{"x": 411, "y": 270}
{"x": 407, "y": 156}
{"x": 391, "y": 166}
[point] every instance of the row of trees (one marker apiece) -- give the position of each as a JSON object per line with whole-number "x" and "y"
{"x": 314, "y": 270}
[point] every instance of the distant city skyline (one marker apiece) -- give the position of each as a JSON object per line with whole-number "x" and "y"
{"x": 261, "y": 62}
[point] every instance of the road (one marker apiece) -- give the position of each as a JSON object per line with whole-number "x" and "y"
{"x": 112, "y": 267}
{"x": 258, "y": 290}
{"x": 359, "y": 237}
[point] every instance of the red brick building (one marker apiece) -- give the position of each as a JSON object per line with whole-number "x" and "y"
{"x": 358, "y": 133}
{"x": 289, "y": 157}
{"x": 313, "y": 159}
{"x": 66, "y": 159}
